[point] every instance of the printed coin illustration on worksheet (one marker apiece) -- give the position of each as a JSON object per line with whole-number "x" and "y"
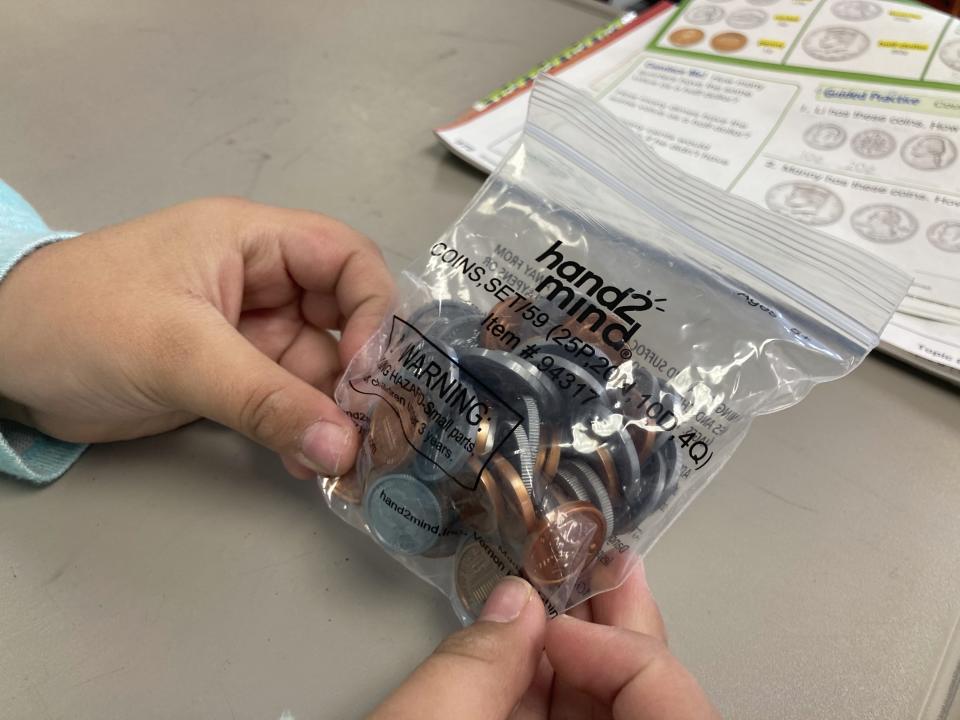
{"x": 856, "y": 10}
{"x": 836, "y": 43}
{"x": 945, "y": 236}
{"x": 704, "y": 15}
{"x": 929, "y": 152}
{"x": 825, "y": 136}
{"x": 873, "y": 144}
{"x": 805, "y": 202}
{"x": 884, "y": 223}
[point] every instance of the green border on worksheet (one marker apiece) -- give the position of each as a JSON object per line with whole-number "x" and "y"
{"x": 811, "y": 72}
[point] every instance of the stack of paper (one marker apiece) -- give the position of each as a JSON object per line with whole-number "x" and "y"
{"x": 843, "y": 115}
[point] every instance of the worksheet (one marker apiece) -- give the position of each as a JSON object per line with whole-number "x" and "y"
{"x": 843, "y": 115}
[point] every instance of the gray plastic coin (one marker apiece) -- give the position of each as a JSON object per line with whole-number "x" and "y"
{"x": 575, "y": 383}
{"x": 462, "y": 331}
{"x": 671, "y": 463}
{"x": 597, "y": 492}
{"x": 440, "y": 455}
{"x": 508, "y": 375}
{"x": 428, "y": 314}
{"x": 653, "y": 480}
{"x": 404, "y": 515}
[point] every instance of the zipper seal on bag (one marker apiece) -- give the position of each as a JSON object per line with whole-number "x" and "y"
{"x": 887, "y": 296}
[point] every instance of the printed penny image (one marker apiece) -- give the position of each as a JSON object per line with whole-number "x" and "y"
{"x": 479, "y": 566}
{"x": 856, "y": 10}
{"x": 685, "y": 37}
{"x": 704, "y": 15}
{"x": 945, "y": 235}
{"x": 950, "y": 54}
{"x": 386, "y": 441}
{"x": 728, "y": 42}
{"x": 747, "y": 19}
{"x": 929, "y": 152}
{"x": 883, "y": 223}
{"x": 873, "y": 144}
{"x": 836, "y": 43}
{"x": 564, "y": 542}
{"x": 825, "y": 136}
{"x": 805, "y": 202}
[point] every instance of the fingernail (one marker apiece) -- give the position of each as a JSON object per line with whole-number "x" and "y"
{"x": 323, "y": 446}
{"x": 507, "y": 600}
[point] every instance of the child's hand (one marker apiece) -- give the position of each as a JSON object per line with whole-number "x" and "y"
{"x": 217, "y": 308}
{"x": 609, "y": 661}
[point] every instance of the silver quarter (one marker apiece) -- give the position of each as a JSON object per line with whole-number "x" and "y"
{"x": 950, "y": 54}
{"x": 747, "y": 18}
{"x": 836, "y": 43}
{"x": 883, "y": 223}
{"x": 805, "y": 202}
{"x": 462, "y": 331}
{"x": 873, "y": 144}
{"x": 856, "y": 10}
{"x": 569, "y": 481}
{"x": 929, "y": 152}
{"x": 945, "y": 235}
{"x": 704, "y": 15}
{"x": 825, "y": 136}
{"x": 404, "y": 515}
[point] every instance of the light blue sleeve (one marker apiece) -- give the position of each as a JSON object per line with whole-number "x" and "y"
{"x": 24, "y": 452}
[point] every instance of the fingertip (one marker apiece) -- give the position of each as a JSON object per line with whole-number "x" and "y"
{"x": 298, "y": 469}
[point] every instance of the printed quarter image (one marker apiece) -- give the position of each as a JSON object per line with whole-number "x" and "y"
{"x": 873, "y": 144}
{"x": 950, "y": 54}
{"x": 747, "y": 18}
{"x": 884, "y": 223}
{"x": 929, "y": 152}
{"x": 805, "y": 202}
{"x": 857, "y": 10}
{"x": 704, "y": 15}
{"x": 836, "y": 43}
{"x": 945, "y": 235}
{"x": 684, "y": 37}
{"x": 825, "y": 136}
{"x": 728, "y": 42}
{"x": 763, "y": 3}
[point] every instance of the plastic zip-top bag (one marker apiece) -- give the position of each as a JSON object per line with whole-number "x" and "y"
{"x": 580, "y": 353}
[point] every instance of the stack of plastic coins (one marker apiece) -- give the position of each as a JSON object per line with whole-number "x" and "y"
{"x": 572, "y": 451}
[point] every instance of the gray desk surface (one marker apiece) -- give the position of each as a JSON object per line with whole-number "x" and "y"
{"x": 186, "y": 576}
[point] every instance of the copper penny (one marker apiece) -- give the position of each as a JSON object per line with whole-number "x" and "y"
{"x": 481, "y": 563}
{"x": 519, "y": 516}
{"x": 685, "y": 37}
{"x": 480, "y": 509}
{"x": 548, "y": 456}
{"x": 728, "y": 42}
{"x": 564, "y": 542}
{"x": 485, "y": 437}
{"x": 388, "y": 444}
{"x": 348, "y": 488}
